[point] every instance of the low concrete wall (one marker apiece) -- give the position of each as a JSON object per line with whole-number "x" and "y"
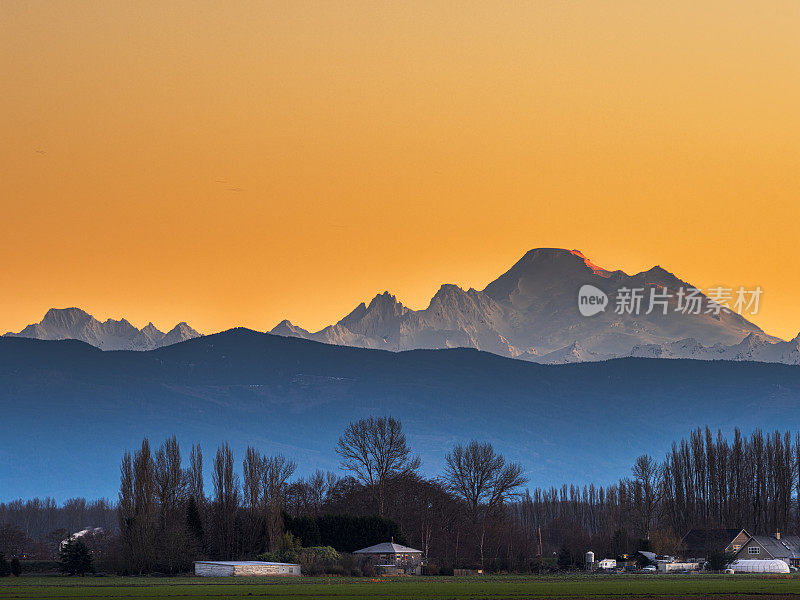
{"x": 246, "y": 569}
{"x": 265, "y": 570}
{"x": 212, "y": 570}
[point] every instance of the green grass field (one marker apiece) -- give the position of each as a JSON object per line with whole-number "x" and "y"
{"x": 490, "y": 587}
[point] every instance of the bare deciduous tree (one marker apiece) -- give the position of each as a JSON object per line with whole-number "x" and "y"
{"x": 194, "y": 475}
{"x": 170, "y": 488}
{"x": 141, "y": 524}
{"x": 647, "y": 485}
{"x": 226, "y": 501}
{"x": 483, "y": 479}
{"x": 309, "y": 494}
{"x": 170, "y": 481}
{"x": 375, "y": 450}
{"x": 276, "y": 472}
{"x": 252, "y": 475}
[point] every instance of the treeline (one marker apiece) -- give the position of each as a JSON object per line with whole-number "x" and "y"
{"x": 167, "y": 520}
{"x": 37, "y": 518}
{"x": 35, "y": 528}
{"x": 704, "y": 481}
{"x": 477, "y": 512}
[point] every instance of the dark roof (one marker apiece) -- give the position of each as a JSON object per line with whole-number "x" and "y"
{"x": 698, "y": 542}
{"x": 786, "y": 547}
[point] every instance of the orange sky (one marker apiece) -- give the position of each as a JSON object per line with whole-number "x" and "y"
{"x": 235, "y": 163}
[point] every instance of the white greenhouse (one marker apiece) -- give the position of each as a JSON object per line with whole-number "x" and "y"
{"x": 759, "y": 566}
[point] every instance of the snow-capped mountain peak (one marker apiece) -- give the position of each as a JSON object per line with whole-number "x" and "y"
{"x": 74, "y": 323}
{"x": 531, "y": 311}
{"x": 180, "y": 333}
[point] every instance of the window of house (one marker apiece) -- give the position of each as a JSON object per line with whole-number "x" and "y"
{"x": 754, "y": 550}
{"x": 737, "y": 547}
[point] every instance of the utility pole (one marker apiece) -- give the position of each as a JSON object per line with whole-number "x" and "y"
{"x": 541, "y": 558}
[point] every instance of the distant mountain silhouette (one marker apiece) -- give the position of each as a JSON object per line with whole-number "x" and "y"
{"x": 76, "y": 324}
{"x": 69, "y": 410}
{"x": 531, "y": 312}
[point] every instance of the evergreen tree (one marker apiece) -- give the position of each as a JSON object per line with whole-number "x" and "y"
{"x": 719, "y": 561}
{"x": 564, "y": 560}
{"x": 16, "y": 567}
{"x": 193, "y": 520}
{"x": 305, "y": 528}
{"x": 5, "y": 570}
{"x": 75, "y": 558}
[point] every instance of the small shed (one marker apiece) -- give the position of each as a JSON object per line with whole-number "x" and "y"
{"x": 244, "y": 568}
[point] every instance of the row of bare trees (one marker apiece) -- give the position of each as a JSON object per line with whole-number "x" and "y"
{"x": 476, "y": 512}
{"x": 704, "y": 481}
{"x": 745, "y": 482}
{"x": 166, "y": 520}
{"x": 41, "y": 519}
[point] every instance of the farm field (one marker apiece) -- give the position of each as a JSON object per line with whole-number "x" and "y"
{"x": 491, "y": 587}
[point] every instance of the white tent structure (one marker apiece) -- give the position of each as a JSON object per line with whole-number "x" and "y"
{"x": 759, "y": 566}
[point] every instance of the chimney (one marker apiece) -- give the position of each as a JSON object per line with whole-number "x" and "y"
{"x": 777, "y": 535}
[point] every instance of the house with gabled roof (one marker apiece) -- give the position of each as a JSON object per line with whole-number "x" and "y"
{"x": 768, "y": 547}
{"x": 697, "y": 544}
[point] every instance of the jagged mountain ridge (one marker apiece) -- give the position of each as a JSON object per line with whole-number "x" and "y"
{"x": 531, "y": 312}
{"x": 76, "y": 324}
{"x": 754, "y": 347}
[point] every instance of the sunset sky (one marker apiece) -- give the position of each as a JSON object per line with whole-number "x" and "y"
{"x": 237, "y": 163}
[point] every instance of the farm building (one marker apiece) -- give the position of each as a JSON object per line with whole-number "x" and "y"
{"x": 698, "y": 544}
{"x": 244, "y": 568}
{"x": 607, "y": 563}
{"x": 391, "y": 558}
{"x": 769, "y": 547}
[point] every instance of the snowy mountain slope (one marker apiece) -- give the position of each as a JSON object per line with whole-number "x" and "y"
{"x": 531, "y": 312}
{"x": 180, "y": 333}
{"x": 455, "y": 318}
{"x": 543, "y": 287}
{"x": 573, "y": 353}
{"x": 754, "y": 347}
{"x": 76, "y": 324}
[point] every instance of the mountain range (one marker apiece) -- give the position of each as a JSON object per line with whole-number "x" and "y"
{"x": 76, "y": 324}
{"x": 531, "y": 312}
{"x": 69, "y": 410}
